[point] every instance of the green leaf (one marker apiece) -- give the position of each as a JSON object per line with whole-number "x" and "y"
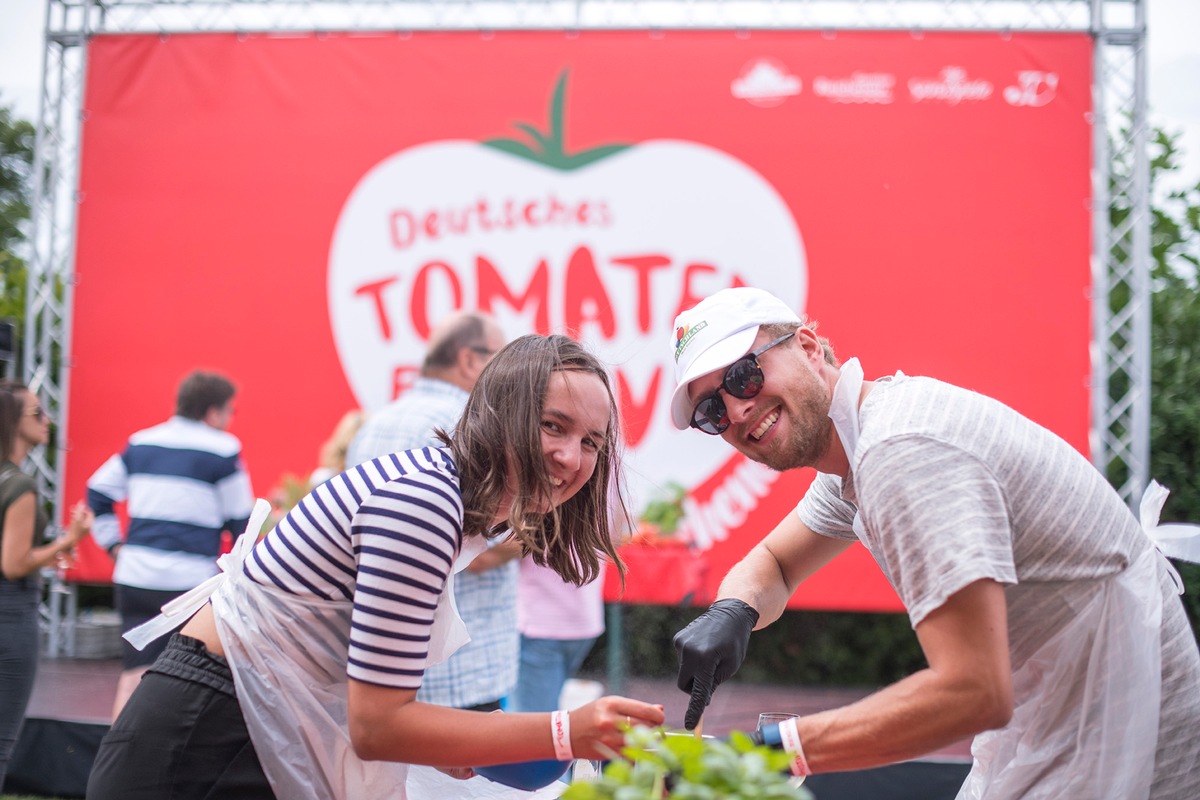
{"x": 549, "y": 148}
{"x": 542, "y": 141}
{"x": 514, "y": 147}
{"x": 592, "y": 156}
{"x": 678, "y": 766}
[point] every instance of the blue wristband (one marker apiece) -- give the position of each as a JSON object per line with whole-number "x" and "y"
{"x": 770, "y": 735}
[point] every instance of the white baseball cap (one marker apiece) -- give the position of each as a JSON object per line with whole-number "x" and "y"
{"x": 716, "y": 332}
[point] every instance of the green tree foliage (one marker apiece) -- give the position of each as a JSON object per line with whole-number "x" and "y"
{"x": 1175, "y": 359}
{"x": 16, "y": 192}
{"x": 16, "y": 170}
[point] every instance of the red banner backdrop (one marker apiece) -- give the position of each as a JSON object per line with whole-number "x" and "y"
{"x": 295, "y": 211}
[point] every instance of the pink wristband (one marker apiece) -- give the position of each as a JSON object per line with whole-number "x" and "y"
{"x": 789, "y": 737}
{"x": 560, "y": 732}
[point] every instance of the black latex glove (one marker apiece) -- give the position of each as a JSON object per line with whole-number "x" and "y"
{"x": 710, "y": 650}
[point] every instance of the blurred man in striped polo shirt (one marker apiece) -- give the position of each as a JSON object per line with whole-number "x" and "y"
{"x": 183, "y": 483}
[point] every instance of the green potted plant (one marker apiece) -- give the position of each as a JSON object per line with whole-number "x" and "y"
{"x": 659, "y": 520}
{"x": 657, "y": 764}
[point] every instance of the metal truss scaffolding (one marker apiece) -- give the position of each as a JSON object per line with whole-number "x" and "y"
{"x": 1120, "y": 255}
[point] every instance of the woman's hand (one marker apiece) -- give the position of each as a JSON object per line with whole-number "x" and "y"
{"x": 80, "y": 525}
{"x": 19, "y": 557}
{"x": 598, "y": 728}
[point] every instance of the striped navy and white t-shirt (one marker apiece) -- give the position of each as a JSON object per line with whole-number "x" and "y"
{"x": 383, "y": 534}
{"x": 183, "y": 483}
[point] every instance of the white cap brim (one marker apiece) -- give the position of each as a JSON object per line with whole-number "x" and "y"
{"x": 718, "y": 356}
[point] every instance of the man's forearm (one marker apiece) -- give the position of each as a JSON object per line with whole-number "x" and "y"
{"x": 967, "y": 688}
{"x": 106, "y": 531}
{"x": 757, "y": 581}
{"x": 913, "y": 717}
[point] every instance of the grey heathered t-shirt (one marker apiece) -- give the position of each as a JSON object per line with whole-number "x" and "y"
{"x": 954, "y": 487}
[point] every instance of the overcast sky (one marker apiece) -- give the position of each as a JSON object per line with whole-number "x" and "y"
{"x": 1174, "y": 66}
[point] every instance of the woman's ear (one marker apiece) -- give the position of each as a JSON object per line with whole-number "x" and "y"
{"x": 465, "y": 360}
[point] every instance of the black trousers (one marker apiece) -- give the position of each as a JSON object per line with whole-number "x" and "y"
{"x": 18, "y": 659}
{"x": 181, "y": 736}
{"x": 137, "y": 606}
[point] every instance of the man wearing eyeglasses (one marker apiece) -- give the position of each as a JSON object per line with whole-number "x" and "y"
{"x": 483, "y": 671}
{"x": 1051, "y": 624}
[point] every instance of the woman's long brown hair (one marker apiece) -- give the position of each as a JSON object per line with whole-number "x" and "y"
{"x": 501, "y": 426}
{"x": 12, "y": 410}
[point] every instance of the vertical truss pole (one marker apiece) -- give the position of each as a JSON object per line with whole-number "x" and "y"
{"x": 1139, "y": 466}
{"x": 1101, "y": 175}
{"x": 51, "y": 268}
{"x": 1121, "y": 258}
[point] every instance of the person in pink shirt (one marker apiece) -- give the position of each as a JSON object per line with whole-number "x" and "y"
{"x": 559, "y": 623}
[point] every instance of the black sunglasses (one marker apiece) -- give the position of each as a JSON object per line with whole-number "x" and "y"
{"x": 743, "y": 380}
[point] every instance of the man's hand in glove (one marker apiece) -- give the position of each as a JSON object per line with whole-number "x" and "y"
{"x": 710, "y": 650}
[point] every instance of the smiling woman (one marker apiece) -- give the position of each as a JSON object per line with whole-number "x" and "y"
{"x": 564, "y": 405}
{"x": 342, "y": 606}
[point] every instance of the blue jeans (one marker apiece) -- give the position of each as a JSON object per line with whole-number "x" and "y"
{"x": 18, "y": 659}
{"x": 546, "y": 664}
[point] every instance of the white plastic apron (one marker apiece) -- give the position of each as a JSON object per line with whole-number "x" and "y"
{"x": 288, "y": 657}
{"x": 1063, "y": 740}
{"x": 1088, "y": 701}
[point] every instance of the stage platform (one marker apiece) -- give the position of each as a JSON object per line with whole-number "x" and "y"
{"x": 72, "y": 698}
{"x": 68, "y": 714}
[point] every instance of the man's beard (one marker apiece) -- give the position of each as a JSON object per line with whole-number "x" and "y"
{"x": 810, "y": 429}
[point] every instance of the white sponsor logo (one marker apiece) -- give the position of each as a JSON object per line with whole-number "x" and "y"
{"x": 1034, "y": 88}
{"x": 952, "y": 87}
{"x": 859, "y": 87}
{"x": 765, "y": 82}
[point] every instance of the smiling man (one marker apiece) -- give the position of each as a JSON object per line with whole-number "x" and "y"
{"x": 1051, "y": 625}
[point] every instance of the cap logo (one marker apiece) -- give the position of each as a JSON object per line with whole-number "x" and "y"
{"x": 684, "y": 334}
